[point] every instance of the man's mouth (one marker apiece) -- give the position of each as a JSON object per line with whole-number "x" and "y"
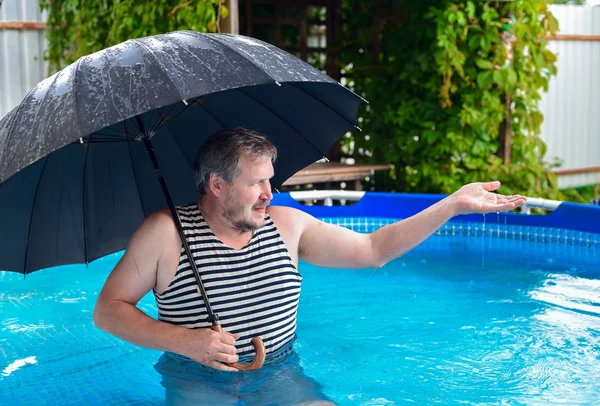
{"x": 261, "y": 207}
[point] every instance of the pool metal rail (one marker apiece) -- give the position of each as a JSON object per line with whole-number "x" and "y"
{"x": 328, "y": 196}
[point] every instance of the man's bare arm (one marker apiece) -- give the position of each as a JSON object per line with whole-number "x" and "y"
{"x": 134, "y": 276}
{"x": 337, "y": 247}
{"x": 332, "y": 246}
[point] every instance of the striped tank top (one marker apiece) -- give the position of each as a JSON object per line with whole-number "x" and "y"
{"x": 254, "y": 290}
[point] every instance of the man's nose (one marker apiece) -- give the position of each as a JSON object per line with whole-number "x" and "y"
{"x": 266, "y": 193}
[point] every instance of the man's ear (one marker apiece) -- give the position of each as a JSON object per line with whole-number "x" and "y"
{"x": 215, "y": 184}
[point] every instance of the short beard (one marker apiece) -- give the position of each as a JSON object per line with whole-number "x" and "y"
{"x": 229, "y": 213}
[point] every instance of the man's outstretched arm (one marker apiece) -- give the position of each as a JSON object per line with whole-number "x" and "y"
{"x": 332, "y": 246}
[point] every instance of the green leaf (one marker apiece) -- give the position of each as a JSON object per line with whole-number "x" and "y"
{"x": 498, "y": 78}
{"x": 484, "y": 79}
{"x": 470, "y": 9}
{"x": 511, "y": 77}
{"x": 552, "y": 24}
{"x": 473, "y": 42}
{"x": 550, "y": 56}
{"x": 483, "y": 42}
{"x": 484, "y": 63}
{"x": 530, "y": 178}
{"x": 461, "y": 19}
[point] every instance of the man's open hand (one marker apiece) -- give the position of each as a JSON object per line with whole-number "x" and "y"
{"x": 477, "y": 198}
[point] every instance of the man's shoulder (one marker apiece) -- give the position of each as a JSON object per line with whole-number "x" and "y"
{"x": 284, "y": 216}
{"x": 279, "y": 213}
{"x": 156, "y": 237}
{"x": 160, "y": 218}
{"x": 157, "y": 225}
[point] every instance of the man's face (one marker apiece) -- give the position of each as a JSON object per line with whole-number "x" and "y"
{"x": 245, "y": 199}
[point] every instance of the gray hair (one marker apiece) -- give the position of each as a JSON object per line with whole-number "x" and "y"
{"x": 222, "y": 153}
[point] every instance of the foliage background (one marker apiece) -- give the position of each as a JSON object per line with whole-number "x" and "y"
{"x": 436, "y": 85}
{"x": 437, "y": 88}
{"x": 77, "y": 28}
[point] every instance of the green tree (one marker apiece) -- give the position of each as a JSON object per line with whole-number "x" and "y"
{"x": 438, "y": 88}
{"x": 77, "y": 28}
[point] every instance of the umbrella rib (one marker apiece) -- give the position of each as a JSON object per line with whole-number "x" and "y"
{"x": 107, "y": 134}
{"x": 177, "y": 113}
{"x": 137, "y": 184}
{"x": 135, "y": 126}
{"x": 324, "y": 104}
{"x": 85, "y": 245}
{"x": 161, "y": 124}
{"x": 283, "y": 121}
{"x": 242, "y": 55}
{"x": 152, "y": 118}
{"x": 13, "y": 119}
{"x": 209, "y": 38}
{"x": 13, "y": 209}
{"x": 45, "y": 133}
{"x": 100, "y": 137}
{"x": 77, "y": 118}
{"x": 168, "y": 110}
{"x": 176, "y": 141}
{"x": 222, "y": 124}
{"x": 37, "y": 188}
{"x": 151, "y": 54}
{"x": 104, "y": 141}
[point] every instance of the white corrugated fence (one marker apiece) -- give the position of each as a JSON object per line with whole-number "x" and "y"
{"x": 22, "y": 45}
{"x": 571, "y": 108}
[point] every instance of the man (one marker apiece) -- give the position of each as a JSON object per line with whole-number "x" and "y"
{"x": 247, "y": 253}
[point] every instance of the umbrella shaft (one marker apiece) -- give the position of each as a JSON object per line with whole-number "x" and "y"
{"x": 212, "y": 318}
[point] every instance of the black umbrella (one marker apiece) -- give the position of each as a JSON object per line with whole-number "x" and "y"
{"x": 75, "y": 178}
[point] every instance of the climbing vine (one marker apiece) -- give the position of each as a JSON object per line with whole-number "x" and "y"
{"x": 447, "y": 79}
{"x": 77, "y": 28}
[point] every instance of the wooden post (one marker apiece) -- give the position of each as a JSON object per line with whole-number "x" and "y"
{"x": 333, "y": 52}
{"x": 505, "y": 138}
{"x": 249, "y": 26}
{"x": 377, "y": 31}
{"x": 304, "y": 33}
{"x": 231, "y": 24}
{"x": 277, "y": 24}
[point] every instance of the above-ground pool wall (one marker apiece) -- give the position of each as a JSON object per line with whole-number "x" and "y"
{"x": 570, "y": 216}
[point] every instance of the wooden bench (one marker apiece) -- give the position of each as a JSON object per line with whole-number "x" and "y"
{"x": 324, "y": 172}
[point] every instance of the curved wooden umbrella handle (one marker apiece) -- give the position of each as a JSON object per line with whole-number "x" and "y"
{"x": 258, "y": 361}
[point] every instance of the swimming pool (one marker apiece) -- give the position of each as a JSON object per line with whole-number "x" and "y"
{"x": 506, "y": 311}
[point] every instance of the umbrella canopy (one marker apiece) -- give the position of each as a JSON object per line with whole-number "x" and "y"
{"x": 75, "y": 179}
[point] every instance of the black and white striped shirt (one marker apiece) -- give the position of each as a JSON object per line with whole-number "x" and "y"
{"x": 254, "y": 290}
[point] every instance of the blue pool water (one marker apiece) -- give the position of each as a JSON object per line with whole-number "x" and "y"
{"x": 476, "y": 319}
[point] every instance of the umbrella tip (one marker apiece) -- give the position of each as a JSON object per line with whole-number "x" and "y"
{"x": 277, "y": 190}
{"x": 358, "y": 128}
{"x": 277, "y": 83}
{"x": 185, "y": 102}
